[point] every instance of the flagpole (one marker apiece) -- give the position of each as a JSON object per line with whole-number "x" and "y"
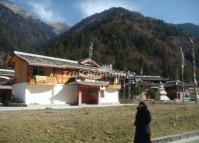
{"x": 183, "y": 64}
{"x": 194, "y": 70}
{"x": 90, "y": 50}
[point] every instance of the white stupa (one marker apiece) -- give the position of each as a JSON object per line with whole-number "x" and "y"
{"x": 162, "y": 94}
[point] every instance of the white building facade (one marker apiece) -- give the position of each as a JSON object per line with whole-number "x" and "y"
{"x": 42, "y": 80}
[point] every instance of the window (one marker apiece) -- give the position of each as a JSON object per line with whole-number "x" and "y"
{"x": 38, "y": 71}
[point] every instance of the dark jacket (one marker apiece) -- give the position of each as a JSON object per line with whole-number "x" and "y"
{"x": 142, "y": 123}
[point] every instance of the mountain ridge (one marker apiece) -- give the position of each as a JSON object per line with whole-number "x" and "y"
{"x": 19, "y": 33}
{"x": 191, "y": 28}
{"x": 58, "y": 27}
{"x": 122, "y": 37}
{"x": 17, "y": 9}
{"x": 19, "y": 25}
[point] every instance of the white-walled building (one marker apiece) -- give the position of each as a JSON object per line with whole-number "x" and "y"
{"x": 48, "y": 80}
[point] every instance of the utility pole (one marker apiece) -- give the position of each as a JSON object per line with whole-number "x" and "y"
{"x": 194, "y": 70}
{"x": 183, "y": 64}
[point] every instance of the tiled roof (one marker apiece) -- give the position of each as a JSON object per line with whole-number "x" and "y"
{"x": 144, "y": 83}
{"x": 5, "y": 72}
{"x": 177, "y": 83}
{"x": 112, "y": 72}
{"x": 40, "y": 60}
{"x": 89, "y": 62}
{"x": 96, "y": 83}
{"x": 151, "y": 78}
{"x": 173, "y": 83}
{"x": 6, "y": 76}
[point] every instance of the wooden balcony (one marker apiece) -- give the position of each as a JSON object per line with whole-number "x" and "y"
{"x": 49, "y": 80}
{"x": 114, "y": 87}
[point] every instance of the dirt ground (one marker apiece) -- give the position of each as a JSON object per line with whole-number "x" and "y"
{"x": 93, "y": 125}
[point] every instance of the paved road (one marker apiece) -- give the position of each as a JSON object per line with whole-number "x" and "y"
{"x": 194, "y": 141}
{"x": 188, "y": 140}
{"x": 40, "y": 107}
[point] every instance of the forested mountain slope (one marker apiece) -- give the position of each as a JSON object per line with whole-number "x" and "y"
{"x": 128, "y": 40}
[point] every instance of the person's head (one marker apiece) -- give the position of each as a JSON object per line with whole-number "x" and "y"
{"x": 141, "y": 104}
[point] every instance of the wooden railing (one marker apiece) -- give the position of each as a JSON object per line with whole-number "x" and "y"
{"x": 49, "y": 80}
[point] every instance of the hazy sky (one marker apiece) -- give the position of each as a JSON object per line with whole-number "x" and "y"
{"x": 72, "y": 11}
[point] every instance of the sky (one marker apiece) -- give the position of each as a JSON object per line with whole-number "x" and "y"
{"x": 72, "y": 11}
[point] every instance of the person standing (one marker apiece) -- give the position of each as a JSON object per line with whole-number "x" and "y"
{"x": 142, "y": 124}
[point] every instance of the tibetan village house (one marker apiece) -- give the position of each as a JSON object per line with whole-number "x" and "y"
{"x": 48, "y": 80}
{"x": 174, "y": 90}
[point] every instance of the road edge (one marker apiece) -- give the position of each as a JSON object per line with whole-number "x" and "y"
{"x": 175, "y": 137}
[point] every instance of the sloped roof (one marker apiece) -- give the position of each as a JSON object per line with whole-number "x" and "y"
{"x": 177, "y": 83}
{"x": 144, "y": 83}
{"x": 173, "y": 83}
{"x": 46, "y": 61}
{"x": 6, "y": 72}
{"x": 112, "y": 71}
{"x": 7, "y": 76}
{"x": 89, "y": 62}
{"x": 87, "y": 83}
{"x": 40, "y": 60}
{"x": 151, "y": 78}
{"x": 34, "y": 59}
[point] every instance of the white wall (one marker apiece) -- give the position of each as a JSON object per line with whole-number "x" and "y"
{"x": 66, "y": 94}
{"x": 18, "y": 90}
{"x": 45, "y": 94}
{"x": 110, "y": 96}
{"x": 51, "y": 94}
{"x": 56, "y": 94}
{"x": 39, "y": 94}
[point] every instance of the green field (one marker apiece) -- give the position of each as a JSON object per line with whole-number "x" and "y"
{"x": 93, "y": 125}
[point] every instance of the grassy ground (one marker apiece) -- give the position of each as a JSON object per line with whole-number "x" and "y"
{"x": 93, "y": 125}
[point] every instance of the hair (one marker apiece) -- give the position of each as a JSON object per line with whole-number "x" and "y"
{"x": 142, "y": 103}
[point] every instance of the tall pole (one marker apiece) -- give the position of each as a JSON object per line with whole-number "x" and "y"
{"x": 129, "y": 84}
{"x": 90, "y": 50}
{"x": 124, "y": 88}
{"x": 194, "y": 70}
{"x": 183, "y": 63}
{"x": 124, "y": 84}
